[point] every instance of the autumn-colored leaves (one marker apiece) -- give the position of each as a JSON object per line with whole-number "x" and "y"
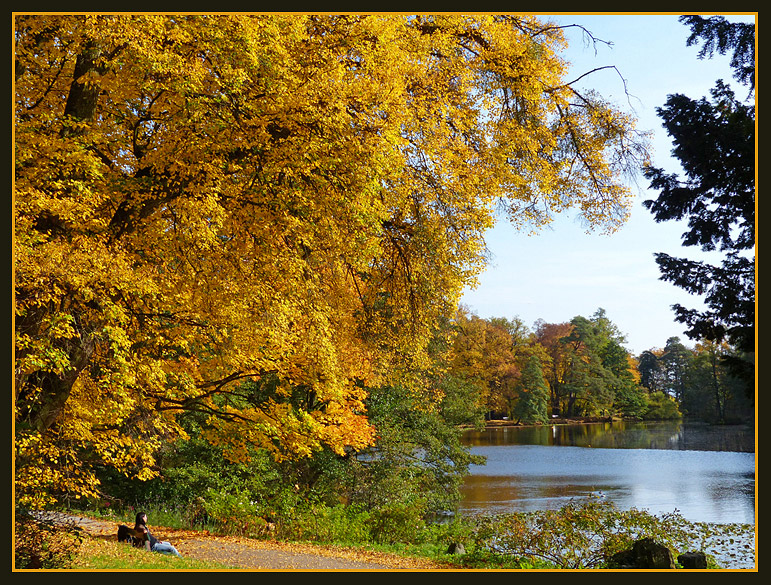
{"x": 206, "y": 200}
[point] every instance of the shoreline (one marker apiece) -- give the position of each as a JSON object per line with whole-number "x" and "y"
{"x": 587, "y": 420}
{"x": 578, "y": 420}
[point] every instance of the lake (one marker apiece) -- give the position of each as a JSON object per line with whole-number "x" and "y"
{"x": 704, "y": 472}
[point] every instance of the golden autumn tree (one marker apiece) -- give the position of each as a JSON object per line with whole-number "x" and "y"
{"x": 204, "y": 200}
{"x": 491, "y": 353}
{"x": 469, "y": 358}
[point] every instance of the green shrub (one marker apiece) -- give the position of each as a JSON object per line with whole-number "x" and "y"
{"x": 662, "y": 407}
{"x": 320, "y": 523}
{"x": 577, "y": 536}
{"x": 354, "y": 524}
{"x": 231, "y": 513}
{"x": 398, "y": 522}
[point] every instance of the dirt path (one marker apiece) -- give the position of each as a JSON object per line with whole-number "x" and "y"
{"x": 249, "y": 554}
{"x": 271, "y": 557}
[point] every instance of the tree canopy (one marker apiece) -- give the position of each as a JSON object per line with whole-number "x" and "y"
{"x": 204, "y": 202}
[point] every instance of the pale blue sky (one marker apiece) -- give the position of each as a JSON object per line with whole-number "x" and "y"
{"x": 563, "y": 272}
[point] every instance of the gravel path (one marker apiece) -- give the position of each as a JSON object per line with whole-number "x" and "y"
{"x": 270, "y": 558}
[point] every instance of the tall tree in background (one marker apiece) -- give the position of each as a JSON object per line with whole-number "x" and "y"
{"x": 206, "y": 200}
{"x": 623, "y": 379}
{"x": 712, "y": 393}
{"x": 532, "y": 405}
{"x": 556, "y": 365}
{"x": 714, "y": 140}
{"x": 489, "y": 354}
{"x": 674, "y": 365}
{"x": 649, "y": 368}
{"x": 601, "y": 368}
{"x": 586, "y": 389}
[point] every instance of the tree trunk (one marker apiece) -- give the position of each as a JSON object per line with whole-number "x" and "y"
{"x": 83, "y": 96}
{"x": 44, "y": 392}
{"x": 55, "y": 389}
{"x": 719, "y": 403}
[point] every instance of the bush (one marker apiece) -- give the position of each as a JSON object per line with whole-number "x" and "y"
{"x": 577, "y": 536}
{"x": 339, "y": 524}
{"x": 229, "y": 513}
{"x": 662, "y": 407}
{"x": 353, "y": 524}
{"x": 401, "y": 522}
{"x": 44, "y": 544}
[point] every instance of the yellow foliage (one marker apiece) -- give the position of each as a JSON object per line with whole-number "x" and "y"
{"x": 202, "y": 200}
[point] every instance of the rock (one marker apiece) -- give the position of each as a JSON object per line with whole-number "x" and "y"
{"x": 456, "y": 548}
{"x": 693, "y": 560}
{"x": 645, "y": 554}
{"x": 651, "y": 555}
{"x": 622, "y": 560}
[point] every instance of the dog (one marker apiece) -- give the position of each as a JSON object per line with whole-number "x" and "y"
{"x": 136, "y": 537}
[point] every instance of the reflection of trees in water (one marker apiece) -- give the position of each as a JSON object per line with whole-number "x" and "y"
{"x": 624, "y": 435}
{"x": 508, "y": 494}
{"x": 704, "y": 437}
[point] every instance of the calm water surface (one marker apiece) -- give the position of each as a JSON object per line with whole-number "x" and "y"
{"x": 706, "y": 473}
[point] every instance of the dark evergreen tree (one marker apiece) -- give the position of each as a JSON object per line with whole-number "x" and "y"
{"x": 714, "y": 140}
{"x": 674, "y": 362}
{"x": 533, "y": 393}
{"x": 721, "y": 36}
{"x": 649, "y": 368}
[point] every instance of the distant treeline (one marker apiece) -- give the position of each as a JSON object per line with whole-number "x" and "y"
{"x": 581, "y": 368}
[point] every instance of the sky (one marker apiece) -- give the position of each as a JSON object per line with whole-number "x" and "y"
{"x": 564, "y": 272}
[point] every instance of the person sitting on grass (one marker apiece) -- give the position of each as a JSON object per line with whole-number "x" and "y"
{"x": 152, "y": 543}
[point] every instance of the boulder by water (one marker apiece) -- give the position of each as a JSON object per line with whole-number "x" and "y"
{"x": 645, "y": 554}
{"x": 693, "y": 560}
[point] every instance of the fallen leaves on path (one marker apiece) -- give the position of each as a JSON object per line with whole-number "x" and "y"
{"x": 271, "y": 554}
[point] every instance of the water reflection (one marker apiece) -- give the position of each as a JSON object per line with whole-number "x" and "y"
{"x": 654, "y": 467}
{"x": 624, "y": 435}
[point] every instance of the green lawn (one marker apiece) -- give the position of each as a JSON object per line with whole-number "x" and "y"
{"x": 98, "y": 554}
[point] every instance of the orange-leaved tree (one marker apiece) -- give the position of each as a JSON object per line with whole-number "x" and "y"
{"x": 490, "y": 353}
{"x": 202, "y": 200}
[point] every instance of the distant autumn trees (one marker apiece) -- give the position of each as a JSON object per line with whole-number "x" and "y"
{"x": 578, "y": 368}
{"x": 581, "y": 368}
{"x": 255, "y": 218}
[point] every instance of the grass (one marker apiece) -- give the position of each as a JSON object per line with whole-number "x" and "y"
{"x": 98, "y": 554}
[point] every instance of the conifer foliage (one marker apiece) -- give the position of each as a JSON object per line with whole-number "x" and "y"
{"x": 714, "y": 141}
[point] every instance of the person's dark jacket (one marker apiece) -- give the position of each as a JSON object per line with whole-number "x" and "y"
{"x": 140, "y": 525}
